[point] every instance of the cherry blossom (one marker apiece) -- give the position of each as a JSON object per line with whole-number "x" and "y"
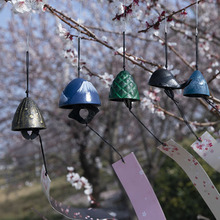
{"x": 22, "y": 6}
{"x": 80, "y": 182}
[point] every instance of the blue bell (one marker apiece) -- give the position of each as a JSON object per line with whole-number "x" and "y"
{"x": 80, "y": 94}
{"x": 198, "y": 86}
{"x": 79, "y": 91}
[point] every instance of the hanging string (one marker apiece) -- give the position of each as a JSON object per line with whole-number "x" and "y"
{"x": 164, "y": 144}
{"x": 79, "y": 37}
{"x": 196, "y": 35}
{"x": 78, "y": 57}
{"x": 43, "y": 155}
{"x": 124, "y": 50}
{"x": 185, "y": 120}
{"x": 27, "y": 73}
{"x": 124, "y": 36}
{"x": 165, "y": 32}
{"x": 106, "y": 142}
{"x": 27, "y": 54}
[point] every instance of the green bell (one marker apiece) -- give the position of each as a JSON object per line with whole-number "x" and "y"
{"x": 124, "y": 89}
{"x": 28, "y": 118}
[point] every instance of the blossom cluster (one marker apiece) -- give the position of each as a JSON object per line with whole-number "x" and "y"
{"x": 125, "y": 10}
{"x": 79, "y": 183}
{"x": 22, "y": 6}
{"x": 151, "y": 96}
{"x": 69, "y": 53}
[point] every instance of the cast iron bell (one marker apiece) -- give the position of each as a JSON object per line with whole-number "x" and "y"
{"x": 28, "y": 118}
{"x": 198, "y": 86}
{"x": 124, "y": 89}
{"x": 80, "y": 94}
{"x": 163, "y": 78}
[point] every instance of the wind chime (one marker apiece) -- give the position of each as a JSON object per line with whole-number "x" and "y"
{"x": 198, "y": 86}
{"x": 80, "y": 95}
{"x": 28, "y": 118}
{"x": 163, "y": 78}
{"x": 124, "y": 89}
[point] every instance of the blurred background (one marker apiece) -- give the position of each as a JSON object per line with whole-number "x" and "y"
{"x": 68, "y": 143}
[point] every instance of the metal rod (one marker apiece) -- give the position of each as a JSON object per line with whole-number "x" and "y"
{"x": 106, "y": 142}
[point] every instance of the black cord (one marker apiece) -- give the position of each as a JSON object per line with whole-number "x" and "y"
{"x": 106, "y": 142}
{"x": 185, "y": 120}
{"x": 27, "y": 72}
{"x": 166, "y": 51}
{"x": 124, "y": 50}
{"x": 197, "y": 51}
{"x": 78, "y": 57}
{"x": 42, "y": 151}
{"x": 164, "y": 144}
{"x": 196, "y": 35}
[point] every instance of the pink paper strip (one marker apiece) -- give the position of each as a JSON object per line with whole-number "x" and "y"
{"x": 67, "y": 211}
{"x": 209, "y": 150}
{"x": 196, "y": 173}
{"x": 138, "y": 188}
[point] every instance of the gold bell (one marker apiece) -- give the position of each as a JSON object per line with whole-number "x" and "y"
{"x": 28, "y": 118}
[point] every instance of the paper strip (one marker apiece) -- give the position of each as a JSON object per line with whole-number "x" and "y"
{"x": 138, "y": 188}
{"x": 209, "y": 150}
{"x": 196, "y": 173}
{"x": 67, "y": 211}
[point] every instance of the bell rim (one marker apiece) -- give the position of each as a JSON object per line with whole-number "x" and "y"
{"x": 71, "y": 106}
{"x": 123, "y": 99}
{"x": 28, "y": 129}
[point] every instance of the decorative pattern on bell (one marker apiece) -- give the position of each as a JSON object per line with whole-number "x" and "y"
{"x": 80, "y": 94}
{"x": 198, "y": 86}
{"x": 163, "y": 78}
{"x": 124, "y": 88}
{"x": 79, "y": 91}
{"x": 28, "y": 118}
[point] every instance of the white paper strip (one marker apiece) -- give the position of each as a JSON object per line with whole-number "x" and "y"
{"x": 67, "y": 211}
{"x": 209, "y": 150}
{"x": 196, "y": 173}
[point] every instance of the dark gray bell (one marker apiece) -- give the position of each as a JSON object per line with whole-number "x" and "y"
{"x": 28, "y": 118}
{"x": 163, "y": 78}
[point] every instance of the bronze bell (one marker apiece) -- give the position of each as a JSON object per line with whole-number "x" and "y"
{"x": 28, "y": 118}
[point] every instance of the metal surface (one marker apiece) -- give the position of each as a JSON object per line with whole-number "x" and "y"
{"x": 28, "y": 118}
{"x": 198, "y": 86}
{"x": 163, "y": 78}
{"x": 79, "y": 91}
{"x": 75, "y": 113}
{"x": 124, "y": 88}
